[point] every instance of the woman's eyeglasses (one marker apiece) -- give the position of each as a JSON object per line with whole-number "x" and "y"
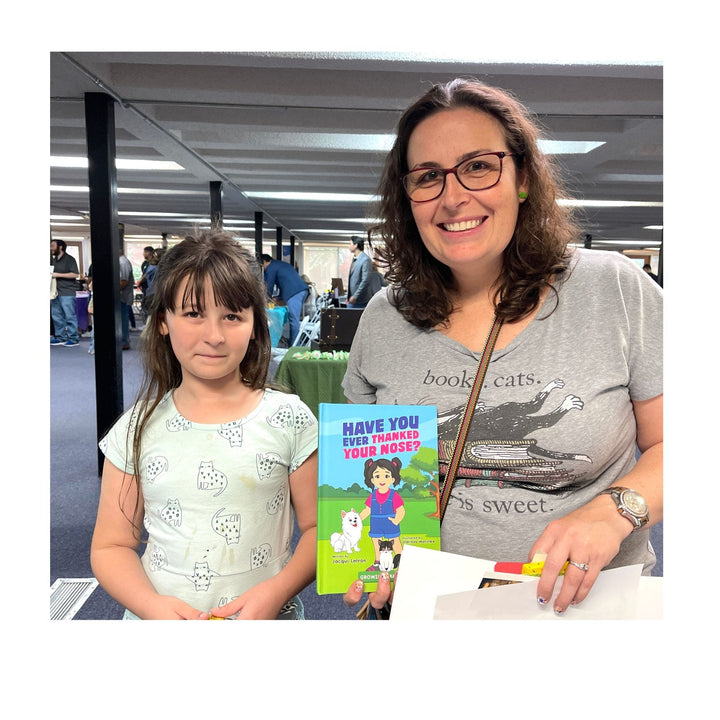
{"x": 480, "y": 172}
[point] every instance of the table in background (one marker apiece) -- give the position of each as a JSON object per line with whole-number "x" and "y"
{"x": 277, "y": 317}
{"x": 314, "y": 380}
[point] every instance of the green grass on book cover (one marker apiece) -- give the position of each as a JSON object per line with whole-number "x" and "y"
{"x": 377, "y": 490}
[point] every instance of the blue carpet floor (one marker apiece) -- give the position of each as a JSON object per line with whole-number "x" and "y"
{"x": 75, "y": 485}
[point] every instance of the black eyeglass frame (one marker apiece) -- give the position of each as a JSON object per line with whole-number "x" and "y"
{"x": 454, "y": 171}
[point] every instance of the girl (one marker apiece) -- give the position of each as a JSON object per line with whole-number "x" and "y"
{"x": 384, "y": 505}
{"x": 210, "y": 460}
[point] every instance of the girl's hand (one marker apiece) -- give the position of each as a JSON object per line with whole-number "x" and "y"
{"x": 167, "y": 607}
{"x": 378, "y": 599}
{"x": 591, "y": 534}
{"x": 259, "y": 603}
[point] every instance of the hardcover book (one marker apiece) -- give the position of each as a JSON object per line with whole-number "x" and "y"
{"x": 378, "y": 490}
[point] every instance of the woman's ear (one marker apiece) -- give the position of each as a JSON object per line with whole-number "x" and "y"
{"x": 523, "y": 187}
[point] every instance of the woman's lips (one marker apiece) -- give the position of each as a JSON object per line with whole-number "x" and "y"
{"x": 462, "y": 225}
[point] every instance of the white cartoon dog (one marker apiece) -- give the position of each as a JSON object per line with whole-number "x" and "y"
{"x": 347, "y": 540}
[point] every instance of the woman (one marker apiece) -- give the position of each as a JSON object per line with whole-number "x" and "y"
{"x": 472, "y": 229}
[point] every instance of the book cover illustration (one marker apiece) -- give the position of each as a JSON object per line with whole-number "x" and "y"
{"x": 378, "y": 489}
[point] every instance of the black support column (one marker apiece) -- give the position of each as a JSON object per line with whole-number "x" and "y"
{"x": 258, "y": 235}
{"x": 278, "y": 243}
{"x": 105, "y": 247}
{"x": 292, "y": 250}
{"x": 216, "y": 214}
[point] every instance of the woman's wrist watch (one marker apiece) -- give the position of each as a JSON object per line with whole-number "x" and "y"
{"x": 630, "y": 504}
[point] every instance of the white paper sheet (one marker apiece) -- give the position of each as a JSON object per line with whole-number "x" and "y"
{"x": 438, "y": 585}
{"x": 613, "y": 597}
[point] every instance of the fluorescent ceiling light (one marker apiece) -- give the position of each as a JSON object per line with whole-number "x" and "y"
{"x": 639, "y": 243}
{"x": 323, "y": 231}
{"x": 653, "y": 227}
{"x": 568, "y": 147}
{"x": 128, "y": 191}
{"x": 69, "y": 161}
{"x": 311, "y": 196}
{"x": 607, "y": 203}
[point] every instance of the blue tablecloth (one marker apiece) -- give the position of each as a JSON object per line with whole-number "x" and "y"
{"x": 277, "y": 317}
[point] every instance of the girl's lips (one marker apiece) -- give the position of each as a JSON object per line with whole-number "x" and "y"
{"x": 462, "y": 225}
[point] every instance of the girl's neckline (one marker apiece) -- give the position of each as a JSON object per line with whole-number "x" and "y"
{"x": 219, "y": 423}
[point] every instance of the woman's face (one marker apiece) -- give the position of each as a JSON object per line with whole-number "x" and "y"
{"x": 468, "y": 230}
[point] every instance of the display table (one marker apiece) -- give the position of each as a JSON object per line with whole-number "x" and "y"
{"x": 277, "y": 317}
{"x": 316, "y": 377}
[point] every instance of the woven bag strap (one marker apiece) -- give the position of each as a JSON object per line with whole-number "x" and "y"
{"x": 467, "y": 415}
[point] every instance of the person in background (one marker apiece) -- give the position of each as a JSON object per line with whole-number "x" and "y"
{"x": 375, "y": 280}
{"x": 292, "y": 289}
{"x": 148, "y": 252}
{"x": 472, "y": 232}
{"x": 203, "y": 459}
{"x": 647, "y": 267}
{"x": 62, "y": 307}
{"x": 358, "y": 290}
{"x": 127, "y": 296}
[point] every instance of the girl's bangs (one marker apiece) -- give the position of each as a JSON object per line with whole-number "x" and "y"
{"x": 227, "y": 291}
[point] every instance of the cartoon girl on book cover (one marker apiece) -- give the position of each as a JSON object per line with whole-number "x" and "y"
{"x": 384, "y": 505}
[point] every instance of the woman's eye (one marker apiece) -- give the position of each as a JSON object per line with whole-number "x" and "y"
{"x": 430, "y": 176}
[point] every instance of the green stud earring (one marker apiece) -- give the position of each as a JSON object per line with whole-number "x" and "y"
{"x": 522, "y": 195}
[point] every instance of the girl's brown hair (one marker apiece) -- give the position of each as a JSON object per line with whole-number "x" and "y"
{"x": 235, "y": 276}
{"x": 538, "y": 249}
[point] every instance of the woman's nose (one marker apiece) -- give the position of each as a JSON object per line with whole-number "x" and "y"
{"x": 454, "y": 192}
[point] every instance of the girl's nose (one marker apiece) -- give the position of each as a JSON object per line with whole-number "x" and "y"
{"x": 214, "y": 333}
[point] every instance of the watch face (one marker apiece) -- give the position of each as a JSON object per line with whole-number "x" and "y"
{"x": 634, "y": 502}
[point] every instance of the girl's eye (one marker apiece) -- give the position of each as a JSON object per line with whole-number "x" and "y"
{"x": 191, "y": 314}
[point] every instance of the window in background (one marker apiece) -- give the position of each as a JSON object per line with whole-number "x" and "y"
{"x": 321, "y": 263}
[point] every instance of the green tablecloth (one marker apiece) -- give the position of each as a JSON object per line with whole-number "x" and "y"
{"x": 314, "y": 380}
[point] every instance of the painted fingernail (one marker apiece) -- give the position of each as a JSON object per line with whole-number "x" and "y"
{"x": 541, "y": 601}
{"x": 558, "y": 611}
{"x": 359, "y": 586}
{"x": 385, "y": 576}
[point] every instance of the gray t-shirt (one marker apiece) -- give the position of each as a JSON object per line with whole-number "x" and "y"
{"x": 127, "y": 294}
{"x": 554, "y": 424}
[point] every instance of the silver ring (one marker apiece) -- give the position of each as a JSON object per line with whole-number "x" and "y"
{"x": 582, "y": 566}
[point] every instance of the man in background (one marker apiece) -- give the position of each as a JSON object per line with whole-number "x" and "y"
{"x": 127, "y": 296}
{"x": 292, "y": 288}
{"x": 360, "y": 267}
{"x": 62, "y": 307}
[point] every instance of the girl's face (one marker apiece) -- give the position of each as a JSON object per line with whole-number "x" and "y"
{"x": 468, "y": 230}
{"x": 382, "y": 478}
{"x": 209, "y": 345}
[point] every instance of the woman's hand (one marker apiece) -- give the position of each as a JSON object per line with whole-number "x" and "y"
{"x": 591, "y": 535}
{"x": 378, "y": 599}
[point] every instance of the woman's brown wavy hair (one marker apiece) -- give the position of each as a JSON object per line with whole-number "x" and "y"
{"x": 538, "y": 249}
